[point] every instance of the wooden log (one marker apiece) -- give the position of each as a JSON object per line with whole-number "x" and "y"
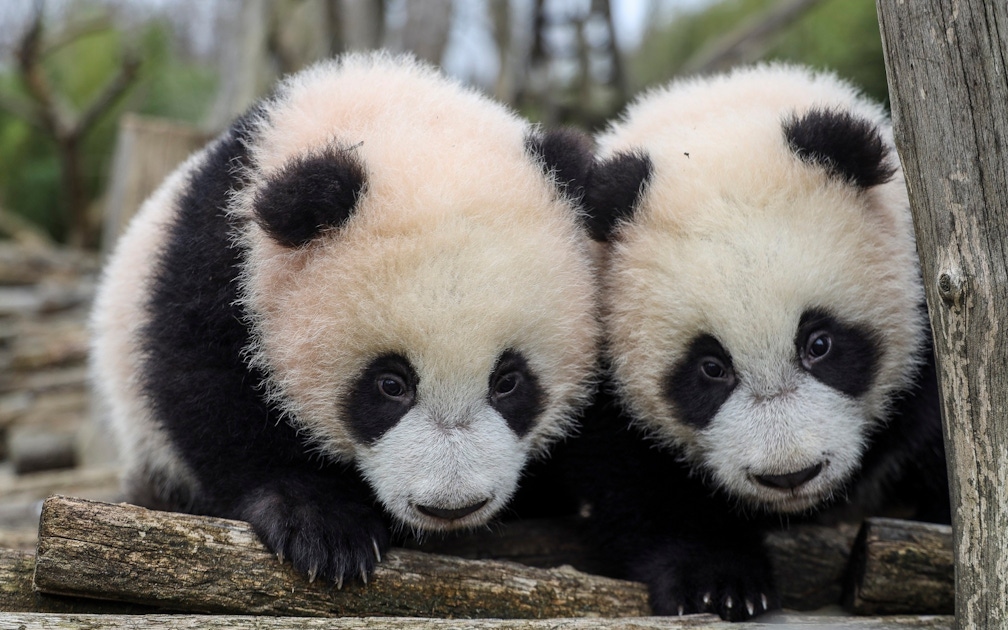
{"x": 38, "y": 449}
{"x": 202, "y": 564}
{"x": 810, "y": 561}
{"x": 900, "y": 567}
{"x": 95, "y": 482}
{"x": 945, "y": 62}
{"x": 18, "y": 595}
{"x": 692, "y": 622}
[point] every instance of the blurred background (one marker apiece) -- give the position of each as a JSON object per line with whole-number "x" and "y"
{"x": 100, "y": 99}
{"x": 71, "y": 69}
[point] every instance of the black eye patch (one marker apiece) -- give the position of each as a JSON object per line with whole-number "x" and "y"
{"x": 700, "y": 382}
{"x": 515, "y": 393}
{"x": 382, "y": 394}
{"x": 841, "y": 355}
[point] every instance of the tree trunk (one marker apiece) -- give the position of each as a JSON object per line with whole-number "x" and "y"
{"x": 945, "y": 61}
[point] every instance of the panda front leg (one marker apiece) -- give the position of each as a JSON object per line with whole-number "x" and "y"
{"x": 324, "y": 524}
{"x": 688, "y": 573}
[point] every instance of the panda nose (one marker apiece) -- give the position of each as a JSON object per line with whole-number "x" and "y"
{"x": 451, "y": 514}
{"x": 791, "y": 480}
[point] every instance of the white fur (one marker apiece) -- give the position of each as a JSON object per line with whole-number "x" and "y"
{"x": 446, "y": 462}
{"x": 735, "y": 237}
{"x": 116, "y": 321}
{"x": 459, "y": 248}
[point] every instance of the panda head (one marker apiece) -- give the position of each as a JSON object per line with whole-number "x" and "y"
{"x": 418, "y": 282}
{"x": 762, "y": 293}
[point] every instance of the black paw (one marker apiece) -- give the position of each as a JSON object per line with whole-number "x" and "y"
{"x": 683, "y": 579}
{"x": 322, "y": 536}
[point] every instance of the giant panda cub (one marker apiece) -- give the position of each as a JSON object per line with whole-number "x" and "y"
{"x": 364, "y": 306}
{"x": 765, "y": 331}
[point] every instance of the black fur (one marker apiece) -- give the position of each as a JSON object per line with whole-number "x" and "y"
{"x": 694, "y": 394}
{"x": 851, "y": 364}
{"x": 310, "y": 194}
{"x": 372, "y": 413}
{"x": 654, "y": 520}
{"x": 514, "y": 391}
{"x": 848, "y": 147}
{"x": 614, "y": 190}
{"x": 566, "y": 155}
{"x": 250, "y": 463}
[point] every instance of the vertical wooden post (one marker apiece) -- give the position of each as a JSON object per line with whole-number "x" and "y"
{"x": 948, "y": 84}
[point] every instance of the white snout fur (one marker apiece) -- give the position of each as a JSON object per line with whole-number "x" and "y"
{"x": 444, "y": 463}
{"x": 799, "y": 427}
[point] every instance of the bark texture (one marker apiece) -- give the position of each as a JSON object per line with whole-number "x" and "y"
{"x": 945, "y": 62}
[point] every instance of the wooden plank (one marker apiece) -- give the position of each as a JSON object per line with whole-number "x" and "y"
{"x": 692, "y": 622}
{"x": 946, "y": 66}
{"x": 901, "y": 567}
{"x": 201, "y": 564}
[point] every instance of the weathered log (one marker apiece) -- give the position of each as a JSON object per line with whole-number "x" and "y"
{"x": 545, "y": 543}
{"x": 809, "y": 561}
{"x": 18, "y": 595}
{"x": 33, "y": 449}
{"x": 692, "y": 622}
{"x": 202, "y": 564}
{"x": 94, "y": 482}
{"x": 900, "y": 567}
{"x": 945, "y": 62}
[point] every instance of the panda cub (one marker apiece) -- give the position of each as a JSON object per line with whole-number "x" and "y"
{"x": 766, "y": 332}
{"x": 365, "y": 305}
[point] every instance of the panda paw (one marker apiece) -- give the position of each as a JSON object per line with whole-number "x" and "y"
{"x": 322, "y": 536}
{"x": 736, "y": 585}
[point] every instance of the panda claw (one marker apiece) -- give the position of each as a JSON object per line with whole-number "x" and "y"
{"x": 280, "y": 556}
{"x": 681, "y": 610}
{"x": 339, "y": 583}
{"x": 363, "y": 575}
{"x": 312, "y": 574}
{"x": 763, "y": 600}
{"x": 749, "y": 606}
{"x": 377, "y": 553}
{"x": 706, "y": 599}
{"x": 728, "y": 603}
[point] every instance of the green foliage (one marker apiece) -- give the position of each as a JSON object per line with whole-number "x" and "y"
{"x": 840, "y": 35}
{"x": 78, "y": 71}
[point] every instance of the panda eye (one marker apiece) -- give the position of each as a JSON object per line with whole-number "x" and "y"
{"x": 506, "y": 385}
{"x": 714, "y": 370}
{"x": 818, "y": 346}
{"x": 393, "y": 387}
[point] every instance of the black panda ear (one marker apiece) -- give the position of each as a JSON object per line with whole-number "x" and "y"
{"x": 567, "y": 155}
{"x": 614, "y": 189}
{"x": 847, "y": 146}
{"x": 309, "y": 194}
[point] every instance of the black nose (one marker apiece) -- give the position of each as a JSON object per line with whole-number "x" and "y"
{"x": 451, "y": 514}
{"x": 791, "y": 480}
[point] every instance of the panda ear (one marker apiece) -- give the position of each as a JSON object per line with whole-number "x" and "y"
{"x": 566, "y": 154}
{"x": 614, "y": 189}
{"x": 309, "y": 194}
{"x": 846, "y": 146}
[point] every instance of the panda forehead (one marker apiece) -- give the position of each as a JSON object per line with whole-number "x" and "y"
{"x": 451, "y": 299}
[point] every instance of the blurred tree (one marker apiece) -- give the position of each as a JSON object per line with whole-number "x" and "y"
{"x": 49, "y": 109}
{"x": 841, "y": 35}
{"x": 570, "y": 69}
{"x": 80, "y": 51}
